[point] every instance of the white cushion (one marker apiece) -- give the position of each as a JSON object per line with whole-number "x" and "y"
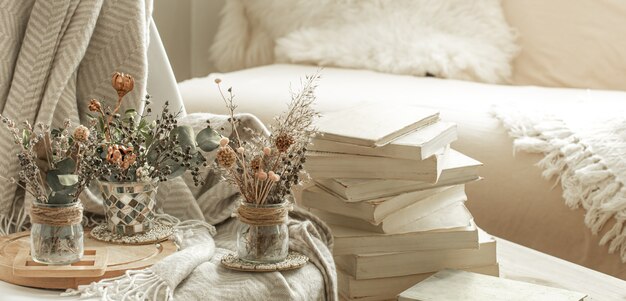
{"x": 457, "y": 39}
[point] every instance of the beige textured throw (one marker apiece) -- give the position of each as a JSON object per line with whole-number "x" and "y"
{"x": 585, "y": 149}
{"x": 194, "y": 273}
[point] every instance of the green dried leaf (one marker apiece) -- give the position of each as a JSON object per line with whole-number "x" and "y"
{"x": 68, "y": 180}
{"x": 66, "y": 166}
{"x": 185, "y": 136}
{"x": 208, "y": 139}
{"x": 61, "y": 197}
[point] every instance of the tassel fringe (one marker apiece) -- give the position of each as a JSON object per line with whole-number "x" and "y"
{"x": 139, "y": 285}
{"x": 585, "y": 179}
{"x": 15, "y": 222}
{"x": 134, "y": 285}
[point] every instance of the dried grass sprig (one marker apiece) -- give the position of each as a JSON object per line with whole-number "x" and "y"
{"x": 265, "y": 168}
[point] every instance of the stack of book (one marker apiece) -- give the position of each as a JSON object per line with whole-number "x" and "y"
{"x": 393, "y": 192}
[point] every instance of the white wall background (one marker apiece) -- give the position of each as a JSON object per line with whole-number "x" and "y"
{"x": 187, "y": 28}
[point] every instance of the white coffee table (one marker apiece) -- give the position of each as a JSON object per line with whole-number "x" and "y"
{"x": 516, "y": 262}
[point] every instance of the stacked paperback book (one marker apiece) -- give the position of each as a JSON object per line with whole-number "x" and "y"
{"x": 393, "y": 192}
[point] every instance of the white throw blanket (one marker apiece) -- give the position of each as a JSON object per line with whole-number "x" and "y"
{"x": 194, "y": 273}
{"x": 585, "y": 148}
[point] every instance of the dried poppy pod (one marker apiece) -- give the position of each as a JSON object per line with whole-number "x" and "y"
{"x": 122, "y": 83}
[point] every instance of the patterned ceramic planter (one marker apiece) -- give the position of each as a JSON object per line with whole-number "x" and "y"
{"x": 129, "y": 206}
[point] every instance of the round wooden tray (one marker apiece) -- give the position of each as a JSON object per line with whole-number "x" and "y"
{"x": 119, "y": 259}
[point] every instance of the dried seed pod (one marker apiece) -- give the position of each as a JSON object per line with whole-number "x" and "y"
{"x": 283, "y": 142}
{"x": 226, "y": 157}
{"x": 81, "y": 133}
{"x": 255, "y": 164}
{"x": 122, "y": 83}
{"x": 95, "y": 106}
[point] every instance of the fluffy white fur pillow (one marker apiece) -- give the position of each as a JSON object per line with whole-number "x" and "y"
{"x": 457, "y": 39}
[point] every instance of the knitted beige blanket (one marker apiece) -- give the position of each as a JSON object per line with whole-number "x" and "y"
{"x": 585, "y": 149}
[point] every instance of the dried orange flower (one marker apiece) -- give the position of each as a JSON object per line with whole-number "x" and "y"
{"x": 94, "y": 106}
{"x": 114, "y": 155}
{"x": 122, "y": 83}
{"x": 128, "y": 160}
{"x": 81, "y": 133}
{"x": 121, "y": 155}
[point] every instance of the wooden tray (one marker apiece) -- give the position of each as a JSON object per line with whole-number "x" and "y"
{"x": 14, "y": 262}
{"x": 93, "y": 264}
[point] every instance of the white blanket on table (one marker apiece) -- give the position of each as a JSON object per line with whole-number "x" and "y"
{"x": 585, "y": 149}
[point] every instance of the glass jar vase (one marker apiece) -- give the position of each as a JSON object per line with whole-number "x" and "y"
{"x": 56, "y": 243}
{"x": 129, "y": 206}
{"x": 263, "y": 236}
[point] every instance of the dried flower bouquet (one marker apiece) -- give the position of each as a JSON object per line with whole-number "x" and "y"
{"x": 54, "y": 171}
{"x": 54, "y": 162}
{"x": 265, "y": 169}
{"x": 135, "y": 154}
{"x": 134, "y": 149}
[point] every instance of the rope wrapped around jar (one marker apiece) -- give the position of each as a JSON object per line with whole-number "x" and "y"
{"x": 263, "y": 215}
{"x": 57, "y": 216}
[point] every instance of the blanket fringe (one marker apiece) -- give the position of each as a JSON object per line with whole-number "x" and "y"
{"x": 15, "y": 222}
{"x": 585, "y": 179}
{"x": 134, "y": 285}
{"x": 139, "y": 285}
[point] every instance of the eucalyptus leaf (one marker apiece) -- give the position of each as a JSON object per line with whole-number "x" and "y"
{"x": 68, "y": 180}
{"x": 66, "y": 166}
{"x": 62, "y": 197}
{"x": 52, "y": 178}
{"x": 176, "y": 168}
{"x": 185, "y": 136}
{"x": 208, "y": 139}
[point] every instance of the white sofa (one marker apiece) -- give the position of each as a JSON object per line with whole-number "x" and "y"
{"x": 574, "y": 44}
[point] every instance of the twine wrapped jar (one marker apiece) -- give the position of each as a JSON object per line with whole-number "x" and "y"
{"x": 263, "y": 236}
{"x": 56, "y": 233}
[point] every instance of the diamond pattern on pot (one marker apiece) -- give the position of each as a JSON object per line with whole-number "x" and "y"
{"x": 129, "y": 207}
